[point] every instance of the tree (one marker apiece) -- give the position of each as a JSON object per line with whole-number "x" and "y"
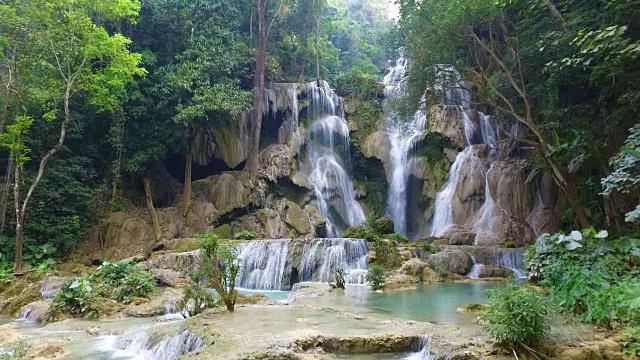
{"x": 69, "y": 54}
{"x": 220, "y": 265}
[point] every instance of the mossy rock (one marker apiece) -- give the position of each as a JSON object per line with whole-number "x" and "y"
{"x": 18, "y": 296}
{"x": 225, "y": 231}
{"x": 355, "y": 232}
{"x": 242, "y": 299}
{"x": 466, "y": 308}
{"x": 186, "y": 245}
{"x": 383, "y": 225}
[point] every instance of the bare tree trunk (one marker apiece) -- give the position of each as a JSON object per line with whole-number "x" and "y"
{"x": 186, "y": 196}
{"x": 258, "y": 91}
{"x": 148, "y": 196}
{"x": 557, "y": 15}
{"x": 4, "y": 202}
{"x": 17, "y": 267}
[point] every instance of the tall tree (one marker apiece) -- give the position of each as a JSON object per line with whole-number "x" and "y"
{"x": 71, "y": 54}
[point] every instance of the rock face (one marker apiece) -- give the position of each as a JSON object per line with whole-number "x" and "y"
{"x": 455, "y": 261}
{"x": 489, "y": 271}
{"x": 440, "y": 117}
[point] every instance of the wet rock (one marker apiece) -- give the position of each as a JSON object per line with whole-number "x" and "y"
{"x": 93, "y": 330}
{"x": 305, "y": 290}
{"x": 466, "y": 308}
{"x": 252, "y": 299}
{"x": 377, "y": 145}
{"x": 509, "y": 188}
{"x": 276, "y": 161}
{"x": 454, "y": 261}
{"x": 462, "y": 238}
{"x": 359, "y": 345}
{"x": 490, "y": 271}
{"x": 183, "y": 263}
{"x": 298, "y": 219}
{"x": 445, "y": 119}
{"x": 169, "y": 277}
{"x": 17, "y": 295}
{"x": 37, "y": 311}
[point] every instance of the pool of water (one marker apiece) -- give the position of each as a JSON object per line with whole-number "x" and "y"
{"x": 428, "y": 302}
{"x": 273, "y": 295}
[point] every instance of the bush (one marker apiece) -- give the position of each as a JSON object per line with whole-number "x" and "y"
{"x": 245, "y": 235}
{"x": 631, "y": 340}
{"x": 516, "y": 316}
{"x": 358, "y": 84}
{"x": 588, "y": 275}
{"x": 382, "y": 226}
{"x": 76, "y": 298}
{"x": 135, "y": 284}
{"x": 220, "y": 266}
{"x": 397, "y": 237}
{"x": 375, "y": 277}
{"x": 113, "y": 273}
{"x": 196, "y": 297}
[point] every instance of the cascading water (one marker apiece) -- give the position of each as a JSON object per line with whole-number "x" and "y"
{"x": 263, "y": 264}
{"x": 278, "y": 264}
{"x": 327, "y": 160}
{"x": 322, "y": 257}
{"x": 138, "y": 344}
{"x": 482, "y": 132}
{"x": 403, "y": 134}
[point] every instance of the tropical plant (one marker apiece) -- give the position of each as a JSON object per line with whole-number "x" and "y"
{"x": 76, "y": 298}
{"x": 114, "y": 273}
{"x": 220, "y": 266}
{"x": 516, "y": 317}
{"x": 138, "y": 283}
{"x": 376, "y": 276}
{"x": 397, "y": 237}
{"x": 631, "y": 341}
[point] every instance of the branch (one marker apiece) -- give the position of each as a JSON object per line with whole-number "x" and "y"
{"x": 275, "y": 16}
{"x": 557, "y": 15}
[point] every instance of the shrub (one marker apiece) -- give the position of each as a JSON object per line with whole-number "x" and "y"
{"x": 220, "y": 266}
{"x": 375, "y": 277}
{"x": 382, "y": 226}
{"x": 76, "y": 298}
{"x": 355, "y": 232}
{"x": 589, "y": 275}
{"x": 113, "y": 273}
{"x": 135, "y": 284}
{"x": 397, "y": 237}
{"x": 245, "y": 235}
{"x": 631, "y": 340}
{"x": 196, "y": 297}
{"x": 516, "y": 316}
{"x": 428, "y": 248}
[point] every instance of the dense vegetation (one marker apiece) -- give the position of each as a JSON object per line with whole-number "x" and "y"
{"x": 567, "y": 72}
{"x": 102, "y": 99}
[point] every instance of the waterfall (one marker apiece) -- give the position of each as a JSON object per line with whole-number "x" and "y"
{"x": 327, "y": 160}
{"x": 278, "y": 264}
{"x": 482, "y": 131}
{"x": 142, "y": 345}
{"x": 512, "y": 259}
{"x": 424, "y": 353}
{"x": 322, "y": 257}
{"x": 262, "y": 264}
{"x": 35, "y": 312}
{"x": 474, "y": 273}
{"x": 403, "y": 134}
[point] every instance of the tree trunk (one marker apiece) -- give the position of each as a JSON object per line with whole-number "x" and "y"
{"x": 17, "y": 267}
{"x": 148, "y": 196}
{"x": 569, "y": 191}
{"x": 258, "y": 91}
{"x": 186, "y": 197}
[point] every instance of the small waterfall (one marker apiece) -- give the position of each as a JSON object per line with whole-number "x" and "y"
{"x": 142, "y": 345}
{"x": 50, "y": 286}
{"x": 424, "y": 353}
{"x": 474, "y": 273}
{"x": 512, "y": 259}
{"x": 322, "y": 257}
{"x": 328, "y": 159}
{"x": 403, "y": 134}
{"x": 34, "y": 312}
{"x": 263, "y": 264}
{"x": 279, "y": 264}
{"x": 486, "y": 212}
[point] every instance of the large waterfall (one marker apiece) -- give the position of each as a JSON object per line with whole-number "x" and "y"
{"x": 278, "y": 264}
{"x": 328, "y": 159}
{"x": 479, "y": 131}
{"x": 403, "y": 134}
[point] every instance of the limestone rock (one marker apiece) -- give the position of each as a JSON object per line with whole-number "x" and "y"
{"x": 169, "y": 277}
{"x": 302, "y": 180}
{"x": 489, "y": 271}
{"x": 509, "y": 189}
{"x": 383, "y": 225}
{"x": 543, "y": 220}
{"x": 183, "y": 263}
{"x": 454, "y": 261}
{"x": 276, "y": 161}
{"x": 297, "y": 219}
{"x": 229, "y": 146}
{"x": 445, "y": 119}
{"x": 377, "y": 145}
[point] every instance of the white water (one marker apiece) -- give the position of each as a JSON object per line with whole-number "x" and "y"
{"x": 403, "y": 134}
{"x": 484, "y": 131}
{"x": 263, "y": 264}
{"x": 474, "y": 273}
{"x": 327, "y": 160}
{"x": 137, "y": 344}
{"x": 273, "y": 265}
{"x": 424, "y": 353}
{"x": 322, "y": 257}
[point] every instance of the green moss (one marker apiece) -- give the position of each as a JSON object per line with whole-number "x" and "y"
{"x": 224, "y": 231}
{"x": 432, "y": 147}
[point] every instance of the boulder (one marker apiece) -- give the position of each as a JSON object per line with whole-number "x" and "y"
{"x": 420, "y": 270}
{"x": 454, "y": 261}
{"x": 462, "y": 238}
{"x": 183, "y": 263}
{"x": 169, "y": 277}
{"x": 489, "y": 271}
{"x": 298, "y": 219}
